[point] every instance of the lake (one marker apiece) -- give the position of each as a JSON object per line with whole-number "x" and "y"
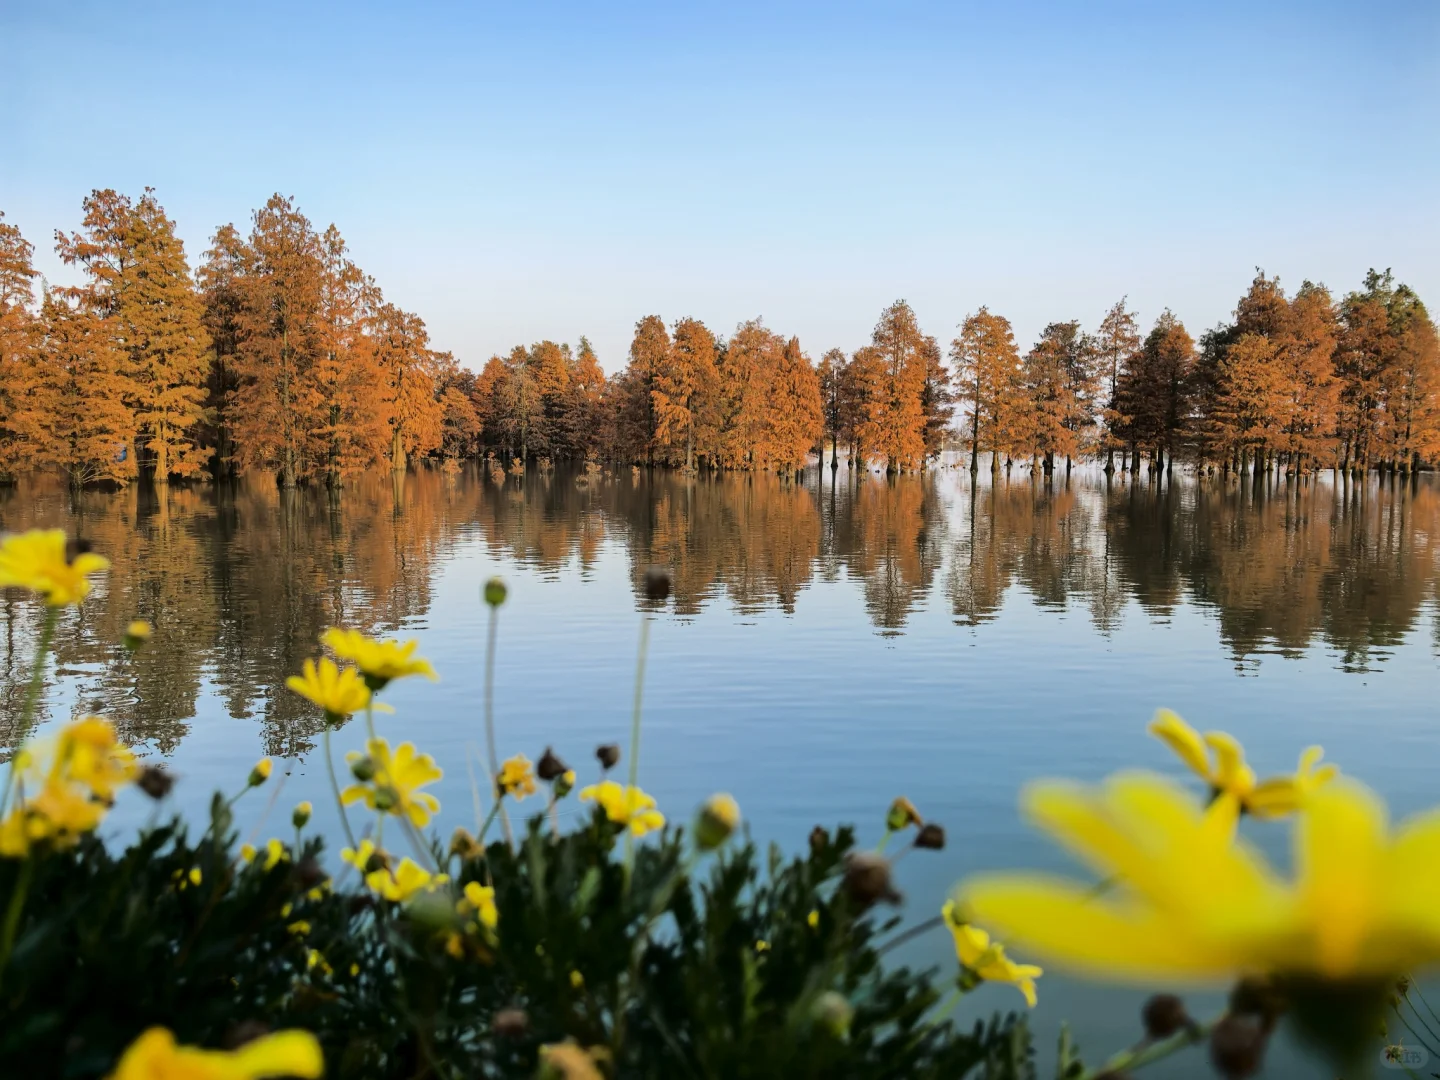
{"x": 828, "y": 645}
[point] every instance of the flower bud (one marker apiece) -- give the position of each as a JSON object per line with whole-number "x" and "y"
{"x": 866, "y": 880}
{"x": 464, "y": 844}
{"x": 385, "y": 800}
{"x": 1163, "y": 1015}
{"x": 718, "y": 818}
{"x": 155, "y": 781}
{"x": 300, "y": 816}
{"x": 931, "y": 836}
{"x": 1257, "y": 995}
{"x": 511, "y": 1023}
{"x": 309, "y": 873}
{"x": 819, "y": 839}
{"x": 609, "y": 755}
{"x": 137, "y": 634}
{"x": 432, "y": 910}
{"x": 495, "y": 592}
{"x": 902, "y": 813}
{"x": 363, "y": 769}
{"x": 564, "y": 783}
{"x": 1237, "y": 1047}
{"x": 550, "y": 767}
{"x": 833, "y": 1013}
{"x": 657, "y": 584}
{"x": 260, "y": 773}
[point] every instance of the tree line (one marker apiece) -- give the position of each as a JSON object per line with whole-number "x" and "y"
{"x": 279, "y": 355}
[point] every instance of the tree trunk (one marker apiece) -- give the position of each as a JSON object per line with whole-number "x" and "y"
{"x": 1109, "y": 460}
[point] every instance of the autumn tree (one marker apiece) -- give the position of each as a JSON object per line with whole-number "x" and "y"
{"x": 1307, "y": 361}
{"x": 353, "y": 424}
{"x": 1117, "y": 343}
{"x": 649, "y": 356}
{"x": 685, "y": 397}
{"x": 139, "y": 282}
{"x": 1060, "y": 385}
{"x": 1153, "y": 395}
{"x": 24, "y": 402}
{"x": 583, "y": 410}
{"x": 937, "y": 398}
{"x": 989, "y": 373}
{"x": 795, "y": 420}
{"x": 893, "y": 426}
{"x": 402, "y": 353}
{"x": 222, "y": 277}
{"x": 276, "y": 408}
{"x": 88, "y": 430}
{"x": 747, "y": 367}
{"x": 832, "y": 398}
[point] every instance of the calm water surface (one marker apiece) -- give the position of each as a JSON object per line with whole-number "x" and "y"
{"x": 827, "y": 647}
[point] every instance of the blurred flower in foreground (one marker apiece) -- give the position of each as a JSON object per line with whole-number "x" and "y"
{"x": 1189, "y": 901}
{"x": 137, "y": 633}
{"x": 339, "y": 692}
{"x": 394, "y": 786}
{"x": 984, "y": 960}
{"x": 515, "y": 777}
{"x": 1218, "y": 759}
{"x": 628, "y": 806}
{"x": 155, "y": 1056}
{"x": 380, "y": 661}
{"x": 65, "y": 785}
{"x": 40, "y": 560}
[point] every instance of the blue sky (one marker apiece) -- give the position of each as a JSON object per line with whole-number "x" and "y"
{"x": 521, "y": 171}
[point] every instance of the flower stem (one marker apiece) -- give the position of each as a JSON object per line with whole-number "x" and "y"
{"x": 335, "y": 788}
{"x": 32, "y": 695}
{"x": 490, "y": 720}
{"x": 1147, "y": 1053}
{"x": 13, "y": 911}
{"x": 635, "y": 741}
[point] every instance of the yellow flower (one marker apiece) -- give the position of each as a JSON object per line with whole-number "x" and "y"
{"x": 360, "y": 859}
{"x": 404, "y": 881}
{"x": 567, "y": 1061}
{"x": 88, "y": 753}
{"x": 380, "y": 661}
{"x": 36, "y": 560}
{"x": 516, "y": 778}
{"x": 395, "y": 786}
{"x": 77, "y": 774}
{"x": 316, "y": 959}
{"x": 627, "y": 806}
{"x": 299, "y": 926}
{"x": 813, "y": 920}
{"x": 1218, "y": 759}
{"x": 985, "y": 960}
{"x": 261, "y": 772}
{"x": 338, "y": 692}
{"x": 155, "y": 1056}
{"x": 274, "y": 852}
{"x": 481, "y": 900}
{"x": 1191, "y": 902}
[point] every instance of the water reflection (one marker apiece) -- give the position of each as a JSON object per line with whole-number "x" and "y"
{"x": 239, "y": 582}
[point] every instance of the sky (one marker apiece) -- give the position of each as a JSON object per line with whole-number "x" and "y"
{"x": 516, "y": 172}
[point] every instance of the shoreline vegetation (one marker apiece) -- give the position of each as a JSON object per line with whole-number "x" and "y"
{"x": 630, "y": 947}
{"x": 278, "y": 355}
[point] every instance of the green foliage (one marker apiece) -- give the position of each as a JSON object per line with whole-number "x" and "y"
{"x": 716, "y": 965}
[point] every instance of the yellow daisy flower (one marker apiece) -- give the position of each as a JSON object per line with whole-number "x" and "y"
{"x": 628, "y": 806}
{"x": 38, "y": 560}
{"x": 155, "y": 1056}
{"x": 1192, "y": 902}
{"x": 516, "y": 777}
{"x": 481, "y": 900}
{"x": 984, "y": 959}
{"x": 394, "y": 787}
{"x": 380, "y": 661}
{"x": 339, "y": 692}
{"x": 1218, "y": 759}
